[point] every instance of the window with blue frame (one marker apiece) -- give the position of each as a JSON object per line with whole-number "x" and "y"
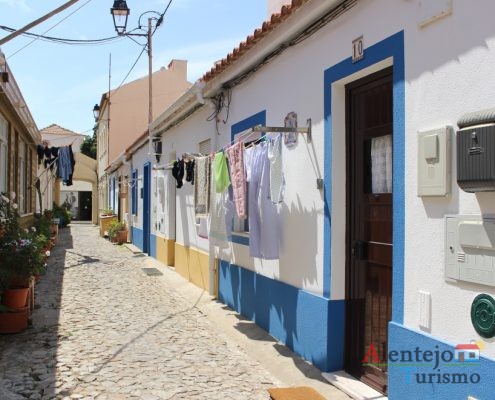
{"x": 236, "y": 131}
{"x": 134, "y": 192}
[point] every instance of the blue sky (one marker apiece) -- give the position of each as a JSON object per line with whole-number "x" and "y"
{"x": 62, "y": 83}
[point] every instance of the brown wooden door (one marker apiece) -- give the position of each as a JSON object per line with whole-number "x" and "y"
{"x": 369, "y": 226}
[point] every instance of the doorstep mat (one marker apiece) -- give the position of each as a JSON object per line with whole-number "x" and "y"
{"x": 151, "y": 271}
{"x": 295, "y": 393}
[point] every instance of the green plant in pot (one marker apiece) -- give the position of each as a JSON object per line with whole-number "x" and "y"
{"x": 21, "y": 251}
{"x": 107, "y": 212}
{"x": 117, "y": 232}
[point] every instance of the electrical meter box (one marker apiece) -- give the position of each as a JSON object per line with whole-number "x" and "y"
{"x": 475, "y": 158}
{"x": 434, "y": 164}
{"x": 470, "y": 249}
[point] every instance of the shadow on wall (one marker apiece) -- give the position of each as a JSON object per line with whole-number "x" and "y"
{"x": 306, "y": 323}
{"x": 182, "y": 209}
{"x": 298, "y": 263}
{"x": 261, "y": 297}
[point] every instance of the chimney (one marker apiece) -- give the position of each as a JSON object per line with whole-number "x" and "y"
{"x": 178, "y": 66}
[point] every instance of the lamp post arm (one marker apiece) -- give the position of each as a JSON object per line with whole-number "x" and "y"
{"x": 36, "y": 22}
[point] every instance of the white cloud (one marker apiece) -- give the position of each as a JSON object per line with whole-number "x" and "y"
{"x": 19, "y": 4}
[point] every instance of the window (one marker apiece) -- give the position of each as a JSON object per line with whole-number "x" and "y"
{"x": 4, "y": 161}
{"x": 134, "y": 192}
{"x": 205, "y": 147}
{"x": 22, "y": 178}
{"x": 29, "y": 180}
{"x": 237, "y": 130}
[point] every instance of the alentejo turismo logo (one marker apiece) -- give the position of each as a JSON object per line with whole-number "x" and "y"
{"x": 433, "y": 366}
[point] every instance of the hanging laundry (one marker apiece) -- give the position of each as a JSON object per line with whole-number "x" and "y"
{"x": 248, "y": 162}
{"x": 40, "y": 152}
{"x": 202, "y": 187}
{"x": 277, "y": 182}
{"x": 222, "y": 180}
{"x": 264, "y": 230}
{"x": 190, "y": 171}
{"x": 235, "y": 155}
{"x": 178, "y": 172}
{"x": 219, "y": 205}
{"x": 65, "y": 165}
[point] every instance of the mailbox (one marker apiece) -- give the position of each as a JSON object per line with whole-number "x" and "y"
{"x": 476, "y": 153}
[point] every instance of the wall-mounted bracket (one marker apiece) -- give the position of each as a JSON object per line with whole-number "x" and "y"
{"x": 283, "y": 129}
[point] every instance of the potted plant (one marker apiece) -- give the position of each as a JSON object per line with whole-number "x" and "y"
{"x": 61, "y": 214}
{"x": 107, "y": 212}
{"x": 22, "y": 258}
{"x": 107, "y": 217}
{"x": 117, "y": 232}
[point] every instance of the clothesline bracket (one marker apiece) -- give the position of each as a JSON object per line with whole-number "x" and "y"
{"x": 286, "y": 129}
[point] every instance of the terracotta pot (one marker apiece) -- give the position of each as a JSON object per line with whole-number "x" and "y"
{"x": 122, "y": 237}
{"x": 15, "y": 298}
{"x": 19, "y": 281}
{"x": 14, "y": 322}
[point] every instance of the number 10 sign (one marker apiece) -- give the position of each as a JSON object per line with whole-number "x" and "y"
{"x": 357, "y": 49}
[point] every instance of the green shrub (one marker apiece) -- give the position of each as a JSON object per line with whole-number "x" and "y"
{"x": 115, "y": 227}
{"x": 62, "y": 213}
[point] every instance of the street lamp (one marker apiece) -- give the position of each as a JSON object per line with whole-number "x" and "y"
{"x": 120, "y": 13}
{"x": 96, "y": 112}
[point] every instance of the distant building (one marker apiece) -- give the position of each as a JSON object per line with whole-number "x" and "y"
{"x": 80, "y": 198}
{"x": 123, "y": 118}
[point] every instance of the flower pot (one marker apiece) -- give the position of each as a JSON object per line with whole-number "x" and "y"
{"x": 15, "y": 298}
{"x": 122, "y": 237}
{"x": 14, "y": 322}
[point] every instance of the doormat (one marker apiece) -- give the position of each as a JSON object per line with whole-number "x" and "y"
{"x": 151, "y": 271}
{"x": 295, "y": 393}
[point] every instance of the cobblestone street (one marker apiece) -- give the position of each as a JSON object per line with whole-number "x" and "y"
{"x": 105, "y": 330}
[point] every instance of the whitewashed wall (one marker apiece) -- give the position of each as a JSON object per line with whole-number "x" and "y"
{"x": 185, "y": 138}
{"x": 449, "y": 71}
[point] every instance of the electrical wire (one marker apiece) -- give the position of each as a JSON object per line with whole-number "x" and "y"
{"x": 64, "y": 40}
{"x": 159, "y": 22}
{"x": 48, "y": 30}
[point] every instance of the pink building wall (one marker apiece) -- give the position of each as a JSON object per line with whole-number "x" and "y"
{"x": 129, "y": 105}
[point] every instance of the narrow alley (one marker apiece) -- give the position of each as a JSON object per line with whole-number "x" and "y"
{"x": 106, "y": 330}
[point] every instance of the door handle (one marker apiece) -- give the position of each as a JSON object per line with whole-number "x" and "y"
{"x": 359, "y": 249}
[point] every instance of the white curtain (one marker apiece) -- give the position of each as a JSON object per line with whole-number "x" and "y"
{"x": 381, "y": 164}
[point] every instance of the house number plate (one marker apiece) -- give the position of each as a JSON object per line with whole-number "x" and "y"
{"x": 357, "y": 49}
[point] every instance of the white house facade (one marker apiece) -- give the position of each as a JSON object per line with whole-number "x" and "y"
{"x": 371, "y": 270}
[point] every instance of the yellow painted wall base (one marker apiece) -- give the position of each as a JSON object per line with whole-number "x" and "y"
{"x": 192, "y": 265}
{"x": 165, "y": 251}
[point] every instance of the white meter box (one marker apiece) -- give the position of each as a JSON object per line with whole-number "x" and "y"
{"x": 470, "y": 249}
{"x": 434, "y": 162}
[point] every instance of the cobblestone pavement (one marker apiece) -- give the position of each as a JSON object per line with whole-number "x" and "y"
{"x": 105, "y": 330}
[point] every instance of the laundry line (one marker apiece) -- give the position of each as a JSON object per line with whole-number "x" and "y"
{"x": 240, "y": 136}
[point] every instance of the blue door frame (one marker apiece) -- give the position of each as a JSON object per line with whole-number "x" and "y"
{"x": 146, "y": 207}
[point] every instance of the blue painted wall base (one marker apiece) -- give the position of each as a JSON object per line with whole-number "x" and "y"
{"x": 137, "y": 237}
{"x": 153, "y": 245}
{"x": 311, "y": 326}
{"x": 406, "y": 382}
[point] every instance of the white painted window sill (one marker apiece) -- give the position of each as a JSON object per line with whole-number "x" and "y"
{"x": 242, "y": 234}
